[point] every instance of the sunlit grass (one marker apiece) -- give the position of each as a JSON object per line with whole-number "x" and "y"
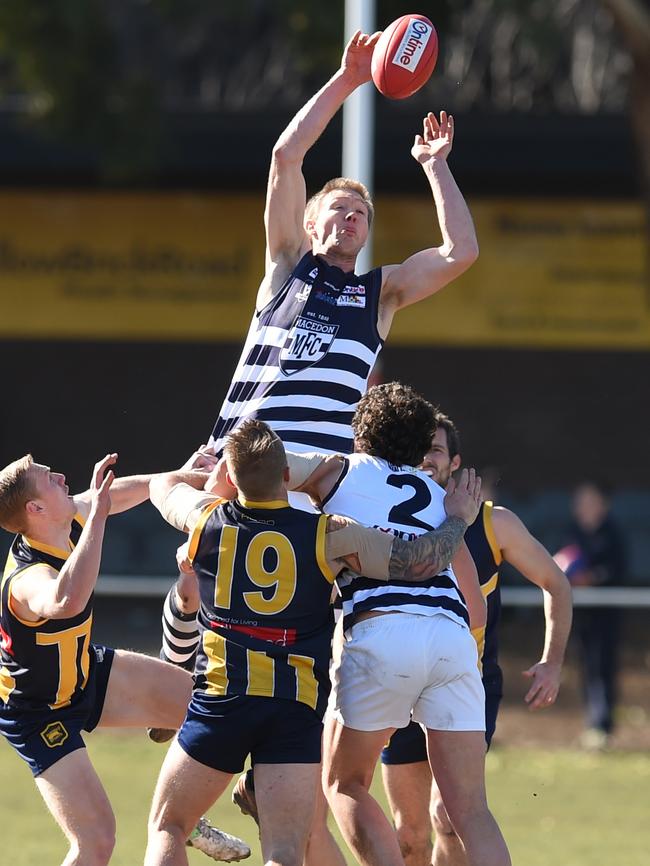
{"x": 558, "y": 808}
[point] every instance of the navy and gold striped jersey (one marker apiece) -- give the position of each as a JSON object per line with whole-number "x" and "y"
{"x": 265, "y": 619}
{"x": 485, "y": 551}
{"x": 43, "y": 663}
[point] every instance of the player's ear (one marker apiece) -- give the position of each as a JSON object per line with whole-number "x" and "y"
{"x": 230, "y": 481}
{"x": 286, "y": 475}
{"x": 455, "y": 462}
{"x": 33, "y": 507}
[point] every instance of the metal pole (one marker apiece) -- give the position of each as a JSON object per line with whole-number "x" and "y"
{"x": 359, "y": 118}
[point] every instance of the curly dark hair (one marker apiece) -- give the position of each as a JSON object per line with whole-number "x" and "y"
{"x": 395, "y": 423}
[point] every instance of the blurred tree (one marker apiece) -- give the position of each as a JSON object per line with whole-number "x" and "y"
{"x": 532, "y": 55}
{"x": 107, "y": 74}
{"x": 62, "y": 56}
{"x": 632, "y": 18}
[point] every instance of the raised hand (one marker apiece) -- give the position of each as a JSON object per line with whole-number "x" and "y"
{"x": 182, "y": 559}
{"x": 100, "y": 496}
{"x": 436, "y": 139}
{"x": 357, "y": 56}
{"x": 463, "y": 499}
{"x": 203, "y": 459}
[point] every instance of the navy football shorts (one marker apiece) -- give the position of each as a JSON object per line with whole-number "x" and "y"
{"x": 408, "y": 745}
{"x": 43, "y": 737}
{"x": 221, "y": 731}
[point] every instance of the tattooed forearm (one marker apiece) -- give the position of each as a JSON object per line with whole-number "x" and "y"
{"x": 429, "y": 553}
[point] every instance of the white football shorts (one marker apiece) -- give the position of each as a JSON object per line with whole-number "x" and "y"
{"x": 402, "y": 664}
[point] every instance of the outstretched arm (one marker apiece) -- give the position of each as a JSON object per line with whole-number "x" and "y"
{"x": 427, "y": 271}
{"x": 315, "y": 474}
{"x": 126, "y": 492}
{"x": 131, "y": 490}
{"x": 528, "y": 556}
{"x": 286, "y": 239}
{"x": 467, "y": 577}
{"x": 43, "y": 593}
{"x": 180, "y": 497}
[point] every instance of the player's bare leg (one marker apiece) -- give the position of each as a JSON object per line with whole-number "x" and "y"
{"x": 184, "y": 791}
{"x": 145, "y": 691}
{"x": 286, "y": 799}
{"x": 448, "y": 849}
{"x": 408, "y": 788}
{"x": 322, "y": 848}
{"x": 349, "y": 763}
{"x": 77, "y": 800}
{"x": 457, "y": 760}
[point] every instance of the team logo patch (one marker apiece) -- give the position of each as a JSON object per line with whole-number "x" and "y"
{"x": 307, "y": 343}
{"x": 54, "y": 735}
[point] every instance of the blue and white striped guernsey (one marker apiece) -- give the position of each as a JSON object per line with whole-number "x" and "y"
{"x": 307, "y": 359}
{"x": 406, "y": 502}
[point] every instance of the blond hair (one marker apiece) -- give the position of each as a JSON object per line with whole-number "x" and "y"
{"x": 343, "y": 183}
{"x": 16, "y": 489}
{"x": 256, "y": 459}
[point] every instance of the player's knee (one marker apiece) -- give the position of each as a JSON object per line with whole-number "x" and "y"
{"x": 440, "y": 819}
{"x": 468, "y": 814}
{"x": 285, "y": 853}
{"x": 344, "y": 779}
{"x": 414, "y": 842}
{"x": 345, "y": 786}
{"x": 158, "y": 824}
{"x": 95, "y": 848}
{"x": 319, "y": 832}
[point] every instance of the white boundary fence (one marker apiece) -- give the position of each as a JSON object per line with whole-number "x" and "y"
{"x": 511, "y": 596}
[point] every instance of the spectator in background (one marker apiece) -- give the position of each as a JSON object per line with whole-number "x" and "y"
{"x": 595, "y": 556}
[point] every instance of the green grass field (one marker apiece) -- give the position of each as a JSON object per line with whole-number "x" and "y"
{"x": 556, "y": 808}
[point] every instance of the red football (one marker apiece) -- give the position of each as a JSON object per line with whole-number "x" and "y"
{"x": 405, "y": 56}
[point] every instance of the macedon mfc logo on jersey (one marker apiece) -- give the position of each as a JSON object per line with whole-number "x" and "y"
{"x": 307, "y": 342}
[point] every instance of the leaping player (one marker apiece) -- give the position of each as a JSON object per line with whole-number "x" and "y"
{"x": 318, "y": 327}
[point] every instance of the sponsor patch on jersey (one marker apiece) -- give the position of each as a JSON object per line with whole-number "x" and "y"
{"x": 354, "y": 290}
{"x": 313, "y": 273}
{"x": 351, "y": 301}
{"x": 54, "y": 734}
{"x": 307, "y": 343}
